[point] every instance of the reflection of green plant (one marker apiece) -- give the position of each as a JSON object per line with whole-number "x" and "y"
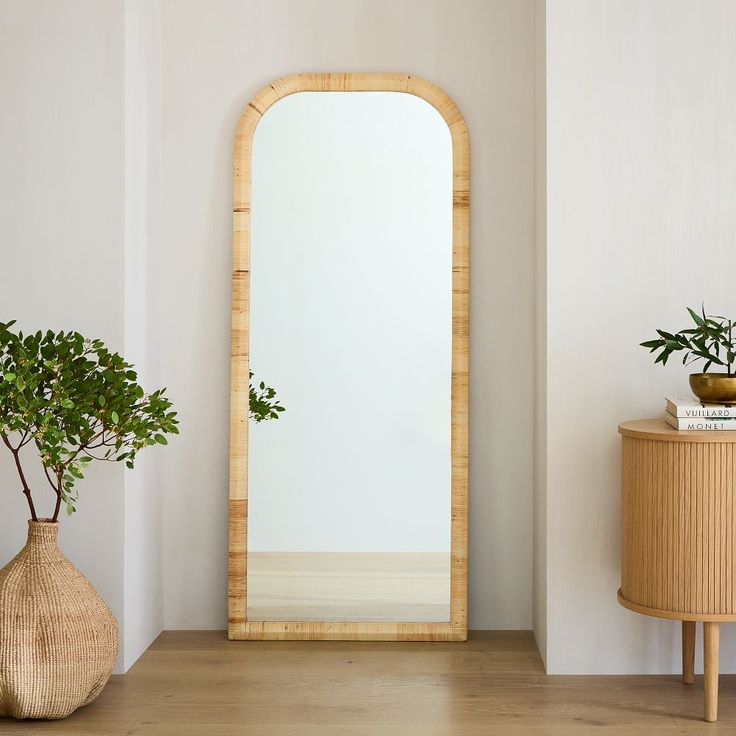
{"x": 77, "y": 402}
{"x": 262, "y": 406}
{"x": 711, "y": 340}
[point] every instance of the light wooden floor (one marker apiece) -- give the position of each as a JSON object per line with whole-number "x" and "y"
{"x": 348, "y": 586}
{"x": 199, "y": 684}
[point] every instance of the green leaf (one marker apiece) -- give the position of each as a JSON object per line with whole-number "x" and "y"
{"x": 161, "y": 439}
{"x": 9, "y": 377}
{"x": 67, "y": 403}
{"x": 700, "y": 321}
{"x": 115, "y": 418}
{"x": 101, "y": 400}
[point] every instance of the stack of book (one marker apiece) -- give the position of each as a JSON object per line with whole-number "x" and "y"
{"x": 690, "y": 414}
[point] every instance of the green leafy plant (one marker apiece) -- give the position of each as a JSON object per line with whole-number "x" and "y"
{"x": 261, "y": 402}
{"x": 77, "y": 402}
{"x": 711, "y": 340}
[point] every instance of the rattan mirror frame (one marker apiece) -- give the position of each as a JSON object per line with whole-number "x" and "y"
{"x": 239, "y": 627}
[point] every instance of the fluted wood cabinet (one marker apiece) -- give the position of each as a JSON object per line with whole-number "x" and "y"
{"x": 678, "y": 534}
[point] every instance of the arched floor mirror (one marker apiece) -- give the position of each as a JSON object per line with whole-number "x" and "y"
{"x": 348, "y": 505}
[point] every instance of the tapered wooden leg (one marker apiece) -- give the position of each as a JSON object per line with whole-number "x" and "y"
{"x": 688, "y": 652}
{"x": 710, "y": 642}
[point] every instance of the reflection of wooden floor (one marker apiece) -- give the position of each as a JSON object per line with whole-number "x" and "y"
{"x": 356, "y": 586}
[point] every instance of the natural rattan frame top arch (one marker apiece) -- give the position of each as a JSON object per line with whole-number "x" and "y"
{"x": 238, "y": 625}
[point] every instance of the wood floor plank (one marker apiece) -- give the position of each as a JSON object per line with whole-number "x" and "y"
{"x": 200, "y": 684}
{"x": 69, "y": 727}
{"x": 579, "y": 729}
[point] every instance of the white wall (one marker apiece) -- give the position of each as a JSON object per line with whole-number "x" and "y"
{"x": 351, "y": 321}
{"x": 641, "y": 175}
{"x": 61, "y": 206}
{"x": 539, "y": 576}
{"x": 77, "y": 207}
{"x": 217, "y": 55}
{"x": 78, "y": 200}
{"x": 143, "y": 523}
{"x": 638, "y": 163}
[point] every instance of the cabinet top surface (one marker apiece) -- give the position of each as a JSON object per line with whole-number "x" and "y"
{"x": 658, "y": 429}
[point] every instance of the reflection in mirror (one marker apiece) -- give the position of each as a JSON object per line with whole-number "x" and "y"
{"x": 351, "y": 321}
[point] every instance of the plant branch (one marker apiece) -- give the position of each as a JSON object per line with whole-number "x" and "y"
{"x": 94, "y": 457}
{"x": 20, "y": 444}
{"x": 48, "y": 478}
{"x": 57, "y": 508}
{"x": 26, "y": 490}
{"x": 85, "y": 446}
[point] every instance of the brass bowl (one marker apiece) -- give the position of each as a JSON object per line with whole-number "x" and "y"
{"x": 714, "y": 388}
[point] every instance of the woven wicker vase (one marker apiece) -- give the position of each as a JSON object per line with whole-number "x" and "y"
{"x": 58, "y": 639}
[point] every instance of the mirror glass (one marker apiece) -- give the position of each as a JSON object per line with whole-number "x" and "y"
{"x": 351, "y": 324}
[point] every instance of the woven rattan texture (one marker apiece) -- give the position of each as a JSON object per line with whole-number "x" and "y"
{"x": 58, "y": 638}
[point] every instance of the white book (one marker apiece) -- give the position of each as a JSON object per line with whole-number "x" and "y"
{"x": 700, "y": 424}
{"x": 691, "y": 407}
